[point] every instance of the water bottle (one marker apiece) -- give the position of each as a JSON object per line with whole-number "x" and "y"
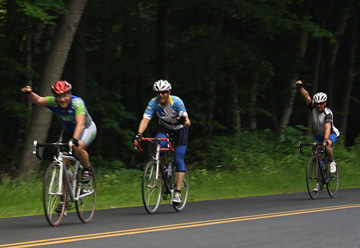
{"x": 321, "y": 163}
{"x": 169, "y": 169}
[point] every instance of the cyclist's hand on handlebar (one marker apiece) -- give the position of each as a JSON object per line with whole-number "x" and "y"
{"x": 137, "y": 139}
{"x": 75, "y": 141}
{"x": 181, "y": 120}
{"x": 26, "y": 90}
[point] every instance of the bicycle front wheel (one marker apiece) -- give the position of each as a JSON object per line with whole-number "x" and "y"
{"x": 85, "y": 206}
{"x": 332, "y": 182}
{"x": 184, "y": 190}
{"x": 313, "y": 176}
{"x": 151, "y": 187}
{"x": 54, "y": 197}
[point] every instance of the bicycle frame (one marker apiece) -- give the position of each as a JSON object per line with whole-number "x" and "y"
{"x": 60, "y": 160}
{"x": 158, "y": 149}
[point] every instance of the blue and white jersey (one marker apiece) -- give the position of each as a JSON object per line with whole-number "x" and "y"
{"x": 67, "y": 116}
{"x": 167, "y": 114}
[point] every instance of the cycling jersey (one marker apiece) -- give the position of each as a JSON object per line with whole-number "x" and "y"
{"x": 167, "y": 114}
{"x": 67, "y": 116}
{"x": 320, "y": 118}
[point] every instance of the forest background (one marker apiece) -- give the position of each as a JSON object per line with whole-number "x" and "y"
{"x": 234, "y": 63}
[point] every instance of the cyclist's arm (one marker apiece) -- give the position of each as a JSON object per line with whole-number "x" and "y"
{"x": 33, "y": 97}
{"x": 187, "y": 122}
{"x": 143, "y": 125}
{"x": 80, "y": 125}
{"x": 327, "y": 130}
{"x": 304, "y": 93}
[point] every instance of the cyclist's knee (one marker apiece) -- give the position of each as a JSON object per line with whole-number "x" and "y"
{"x": 163, "y": 144}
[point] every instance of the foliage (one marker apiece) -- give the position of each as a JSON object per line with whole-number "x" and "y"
{"x": 42, "y": 10}
{"x": 206, "y": 41}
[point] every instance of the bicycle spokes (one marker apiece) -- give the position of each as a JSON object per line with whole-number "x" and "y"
{"x": 151, "y": 188}
{"x": 313, "y": 182}
{"x": 53, "y": 195}
{"x": 85, "y": 206}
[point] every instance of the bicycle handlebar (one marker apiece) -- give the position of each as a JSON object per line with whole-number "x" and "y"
{"x": 155, "y": 140}
{"x": 56, "y": 144}
{"x": 315, "y": 144}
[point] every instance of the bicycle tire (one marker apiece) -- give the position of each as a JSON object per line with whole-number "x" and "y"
{"x": 85, "y": 206}
{"x": 151, "y": 188}
{"x": 332, "y": 183}
{"x": 184, "y": 190}
{"x": 312, "y": 178}
{"x": 51, "y": 196}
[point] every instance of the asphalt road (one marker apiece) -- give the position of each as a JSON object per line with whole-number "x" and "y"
{"x": 290, "y": 220}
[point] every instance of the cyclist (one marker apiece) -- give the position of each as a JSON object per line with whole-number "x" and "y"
{"x": 173, "y": 120}
{"x": 324, "y": 129}
{"x": 77, "y": 124}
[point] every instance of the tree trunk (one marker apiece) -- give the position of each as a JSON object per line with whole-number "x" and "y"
{"x": 349, "y": 79}
{"x": 105, "y": 37}
{"x": 162, "y": 64}
{"x": 288, "y": 106}
{"x": 253, "y": 93}
{"x": 78, "y": 79}
{"x": 235, "y": 119}
{"x": 315, "y": 83}
{"x": 211, "y": 99}
{"x": 334, "y": 49}
{"x": 54, "y": 66}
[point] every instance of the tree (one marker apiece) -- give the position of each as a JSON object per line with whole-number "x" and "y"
{"x": 301, "y": 50}
{"x": 54, "y": 66}
{"x": 350, "y": 76}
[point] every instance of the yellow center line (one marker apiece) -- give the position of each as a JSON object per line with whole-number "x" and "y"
{"x": 173, "y": 226}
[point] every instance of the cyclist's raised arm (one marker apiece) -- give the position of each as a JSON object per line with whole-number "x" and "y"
{"x": 304, "y": 93}
{"x": 33, "y": 97}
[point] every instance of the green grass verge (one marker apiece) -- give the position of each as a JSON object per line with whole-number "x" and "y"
{"x": 250, "y": 164}
{"x": 122, "y": 188}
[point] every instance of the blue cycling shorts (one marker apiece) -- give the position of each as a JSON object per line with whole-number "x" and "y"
{"x": 320, "y": 139}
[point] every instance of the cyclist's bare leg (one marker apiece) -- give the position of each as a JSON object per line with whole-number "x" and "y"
{"x": 82, "y": 154}
{"x": 179, "y": 180}
{"x": 329, "y": 150}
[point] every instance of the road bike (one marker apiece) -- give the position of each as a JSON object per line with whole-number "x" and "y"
{"x": 63, "y": 186}
{"x": 318, "y": 172}
{"x": 159, "y": 181}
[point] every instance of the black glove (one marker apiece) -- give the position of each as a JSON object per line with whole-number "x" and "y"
{"x": 299, "y": 86}
{"x": 182, "y": 120}
{"x": 138, "y": 137}
{"x": 75, "y": 141}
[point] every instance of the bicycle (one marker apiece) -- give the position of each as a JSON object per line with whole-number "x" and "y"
{"x": 318, "y": 172}
{"x": 62, "y": 183}
{"x": 159, "y": 181}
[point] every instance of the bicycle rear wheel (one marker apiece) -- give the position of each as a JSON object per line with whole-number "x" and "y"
{"x": 332, "y": 182}
{"x": 151, "y": 188}
{"x": 313, "y": 178}
{"x": 85, "y": 206}
{"x": 52, "y": 195}
{"x": 184, "y": 190}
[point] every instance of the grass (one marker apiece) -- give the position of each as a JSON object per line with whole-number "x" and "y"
{"x": 228, "y": 167}
{"x": 122, "y": 188}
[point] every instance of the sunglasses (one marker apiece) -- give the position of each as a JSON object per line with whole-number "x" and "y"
{"x": 162, "y": 92}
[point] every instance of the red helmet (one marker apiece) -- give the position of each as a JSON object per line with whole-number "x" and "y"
{"x": 60, "y": 87}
